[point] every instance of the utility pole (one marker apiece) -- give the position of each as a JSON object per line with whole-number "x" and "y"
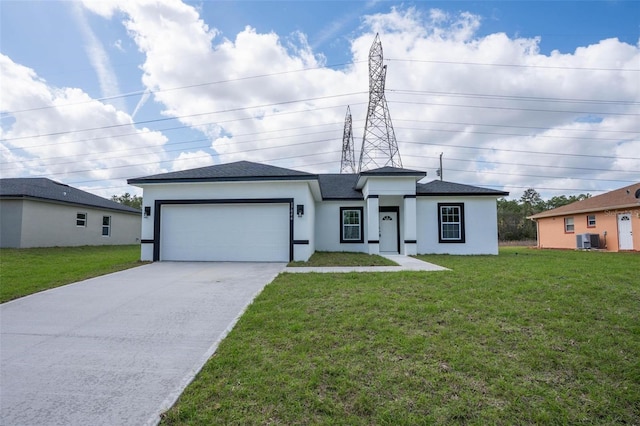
{"x": 348, "y": 163}
{"x": 379, "y": 145}
{"x": 440, "y": 171}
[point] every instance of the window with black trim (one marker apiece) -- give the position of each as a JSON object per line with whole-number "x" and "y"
{"x": 591, "y": 221}
{"x": 451, "y": 222}
{"x": 81, "y": 219}
{"x": 106, "y": 226}
{"x": 351, "y": 230}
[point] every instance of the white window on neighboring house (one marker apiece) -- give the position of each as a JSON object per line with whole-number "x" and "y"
{"x": 106, "y": 226}
{"x": 451, "y": 222}
{"x": 591, "y": 221}
{"x": 351, "y": 225}
{"x": 81, "y": 219}
{"x": 568, "y": 225}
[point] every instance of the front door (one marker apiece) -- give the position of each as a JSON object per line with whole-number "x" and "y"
{"x": 389, "y": 231}
{"x": 625, "y": 236}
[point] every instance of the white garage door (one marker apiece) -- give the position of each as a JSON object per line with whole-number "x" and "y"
{"x": 225, "y": 232}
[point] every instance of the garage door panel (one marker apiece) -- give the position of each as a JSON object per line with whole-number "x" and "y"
{"x": 225, "y": 232}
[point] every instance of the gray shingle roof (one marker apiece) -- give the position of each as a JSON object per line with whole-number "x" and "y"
{"x": 238, "y": 171}
{"x": 46, "y": 189}
{"x": 627, "y": 197}
{"x": 332, "y": 186}
{"x": 439, "y": 187}
{"x": 392, "y": 171}
{"x": 339, "y": 187}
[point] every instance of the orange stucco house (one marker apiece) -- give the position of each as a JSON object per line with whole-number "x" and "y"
{"x": 611, "y": 220}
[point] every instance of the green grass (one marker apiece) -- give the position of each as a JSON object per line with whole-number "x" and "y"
{"x": 27, "y": 271}
{"x": 325, "y": 258}
{"x": 527, "y": 337}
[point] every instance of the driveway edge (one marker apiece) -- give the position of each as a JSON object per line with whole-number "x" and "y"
{"x": 173, "y": 397}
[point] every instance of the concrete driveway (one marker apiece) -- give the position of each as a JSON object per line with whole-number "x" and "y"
{"x": 118, "y": 349}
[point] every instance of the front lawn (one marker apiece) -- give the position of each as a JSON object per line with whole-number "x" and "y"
{"x": 27, "y": 271}
{"x": 331, "y": 258}
{"x": 527, "y": 337}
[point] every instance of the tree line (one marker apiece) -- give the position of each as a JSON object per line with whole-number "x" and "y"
{"x": 513, "y": 224}
{"x": 127, "y": 199}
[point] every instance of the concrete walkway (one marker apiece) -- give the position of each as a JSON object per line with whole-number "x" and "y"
{"x": 406, "y": 263}
{"x": 118, "y": 349}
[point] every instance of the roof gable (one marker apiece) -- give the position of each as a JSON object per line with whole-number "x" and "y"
{"x": 237, "y": 171}
{"x": 392, "y": 171}
{"x": 46, "y": 189}
{"x": 440, "y": 187}
{"x": 388, "y": 171}
{"x": 620, "y": 198}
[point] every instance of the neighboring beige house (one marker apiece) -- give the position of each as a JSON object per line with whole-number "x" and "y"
{"x": 38, "y": 212}
{"x": 610, "y": 221}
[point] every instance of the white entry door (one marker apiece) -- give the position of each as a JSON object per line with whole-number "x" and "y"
{"x": 389, "y": 232}
{"x": 625, "y": 235}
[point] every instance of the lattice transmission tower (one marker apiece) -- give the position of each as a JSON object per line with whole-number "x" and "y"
{"x": 379, "y": 145}
{"x": 348, "y": 164}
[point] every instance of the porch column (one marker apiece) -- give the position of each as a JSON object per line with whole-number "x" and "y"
{"x": 410, "y": 243}
{"x": 373, "y": 226}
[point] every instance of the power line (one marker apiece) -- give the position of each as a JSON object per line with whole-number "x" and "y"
{"x": 515, "y": 109}
{"x": 231, "y": 80}
{"x": 589, "y": 169}
{"x": 511, "y": 97}
{"x": 157, "y": 120}
{"x": 137, "y": 133}
{"x": 484, "y": 171}
{"x": 523, "y": 151}
{"x": 172, "y": 144}
{"x": 202, "y": 156}
{"x": 515, "y": 127}
{"x": 430, "y": 61}
{"x": 307, "y": 111}
{"x": 490, "y": 172}
{"x": 163, "y": 149}
{"x": 190, "y": 86}
{"x": 476, "y": 132}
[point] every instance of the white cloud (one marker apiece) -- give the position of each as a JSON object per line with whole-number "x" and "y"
{"x": 490, "y": 103}
{"x": 44, "y": 133}
{"x": 192, "y": 160}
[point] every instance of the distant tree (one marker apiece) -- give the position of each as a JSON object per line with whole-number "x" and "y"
{"x": 512, "y": 214}
{"x": 557, "y": 201}
{"x": 531, "y": 203}
{"x": 509, "y": 220}
{"x": 563, "y": 200}
{"x": 127, "y": 199}
{"x": 532, "y": 200}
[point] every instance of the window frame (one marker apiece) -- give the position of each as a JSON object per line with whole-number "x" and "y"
{"x": 461, "y": 227}
{"x": 107, "y": 226}
{"x": 589, "y": 222}
{"x": 360, "y": 225}
{"x": 567, "y": 224}
{"x": 84, "y": 220}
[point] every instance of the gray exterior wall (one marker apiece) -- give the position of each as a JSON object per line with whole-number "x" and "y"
{"x": 10, "y": 223}
{"x": 47, "y": 224}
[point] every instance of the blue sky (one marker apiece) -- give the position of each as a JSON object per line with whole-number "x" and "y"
{"x": 516, "y": 94}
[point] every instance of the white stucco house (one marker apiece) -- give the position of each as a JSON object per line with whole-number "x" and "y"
{"x": 246, "y": 211}
{"x": 39, "y": 212}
